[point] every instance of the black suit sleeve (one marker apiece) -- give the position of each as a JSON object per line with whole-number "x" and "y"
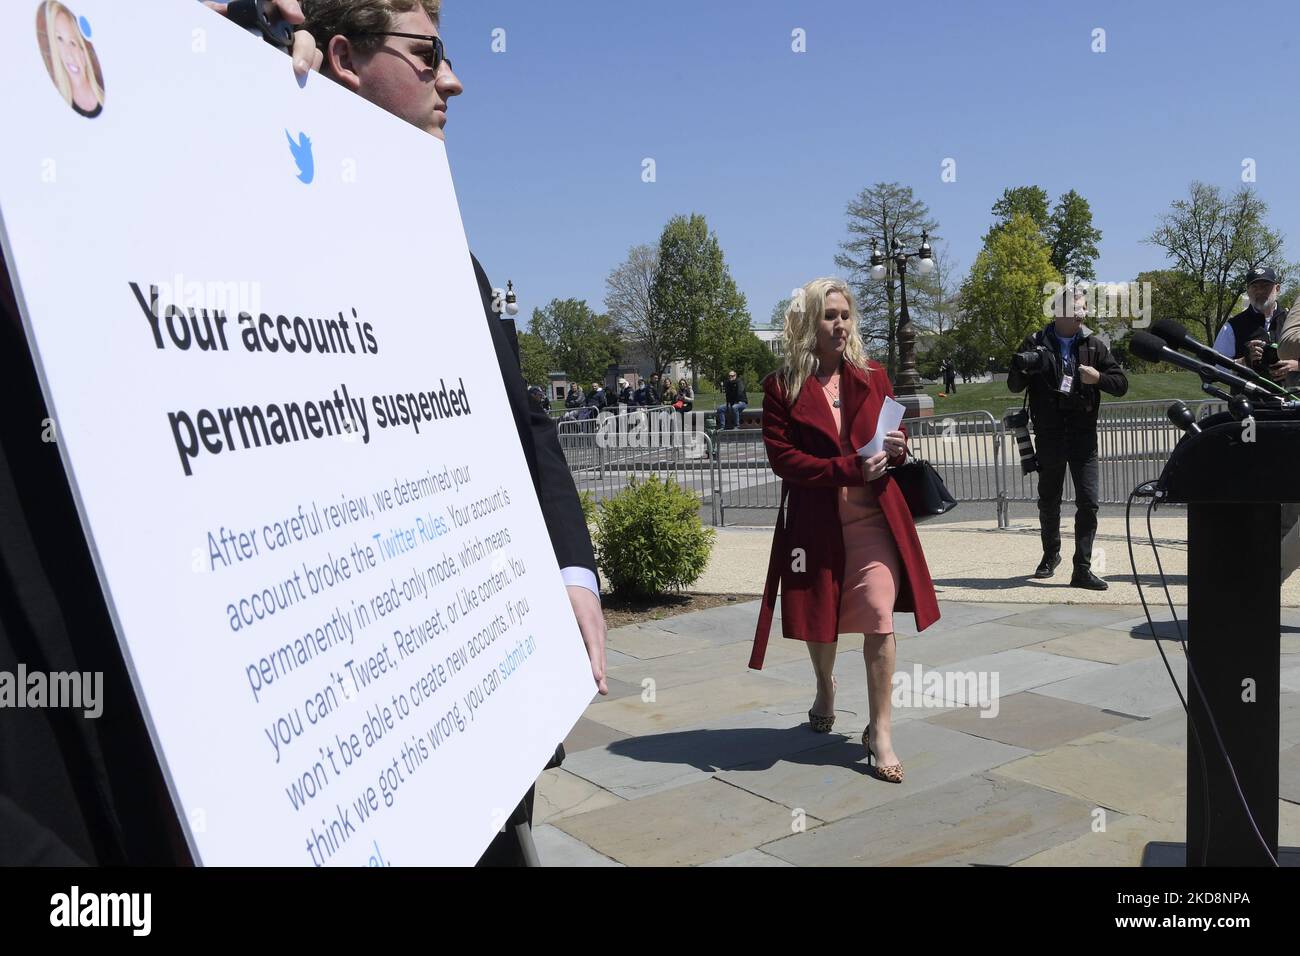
{"x": 70, "y": 786}
{"x": 1113, "y": 381}
{"x": 541, "y": 443}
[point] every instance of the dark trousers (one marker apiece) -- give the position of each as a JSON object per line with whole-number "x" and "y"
{"x": 1073, "y": 446}
{"x": 504, "y": 850}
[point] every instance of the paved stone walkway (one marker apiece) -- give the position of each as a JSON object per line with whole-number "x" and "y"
{"x": 971, "y": 560}
{"x": 693, "y": 759}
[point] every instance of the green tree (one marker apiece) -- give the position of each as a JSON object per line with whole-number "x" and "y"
{"x": 752, "y": 359}
{"x": 1214, "y": 240}
{"x": 1067, "y": 229}
{"x": 535, "y": 360}
{"x": 1289, "y": 295}
{"x": 704, "y": 314}
{"x": 1003, "y": 295}
{"x": 883, "y": 212}
{"x": 1072, "y": 237}
{"x": 968, "y": 357}
{"x": 1028, "y": 201}
{"x": 777, "y": 320}
{"x": 580, "y": 342}
{"x": 931, "y": 351}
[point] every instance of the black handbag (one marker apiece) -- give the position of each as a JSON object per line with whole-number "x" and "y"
{"x": 926, "y": 494}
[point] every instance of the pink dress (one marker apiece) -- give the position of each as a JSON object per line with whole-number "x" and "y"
{"x": 871, "y": 560}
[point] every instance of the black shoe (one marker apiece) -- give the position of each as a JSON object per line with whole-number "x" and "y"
{"x": 1047, "y": 567}
{"x": 1083, "y": 578}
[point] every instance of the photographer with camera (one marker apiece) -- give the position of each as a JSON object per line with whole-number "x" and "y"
{"x": 1065, "y": 368}
{"x": 1252, "y": 335}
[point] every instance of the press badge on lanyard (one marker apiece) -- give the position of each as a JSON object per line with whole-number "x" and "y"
{"x": 1067, "y": 379}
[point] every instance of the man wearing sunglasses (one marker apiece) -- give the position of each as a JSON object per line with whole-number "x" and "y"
{"x": 390, "y": 53}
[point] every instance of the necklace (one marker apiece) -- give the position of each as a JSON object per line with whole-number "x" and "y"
{"x": 835, "y": 396}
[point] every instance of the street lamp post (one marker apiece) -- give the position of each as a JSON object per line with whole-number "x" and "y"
{"x": 907, "y": 383}
{"x": 504, "y": 301}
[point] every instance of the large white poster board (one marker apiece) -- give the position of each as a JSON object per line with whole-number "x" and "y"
{"x": 321, "y": 546}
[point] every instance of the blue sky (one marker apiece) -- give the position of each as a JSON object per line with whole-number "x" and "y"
{"x": 548, "y": 140}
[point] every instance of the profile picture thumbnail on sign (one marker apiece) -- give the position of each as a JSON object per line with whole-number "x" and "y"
{"x": 70, "y": 57}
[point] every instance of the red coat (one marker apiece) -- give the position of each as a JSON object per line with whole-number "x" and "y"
{"x": 803, "y": 447}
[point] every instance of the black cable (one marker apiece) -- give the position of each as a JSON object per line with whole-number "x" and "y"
{"x": 1191, "y": 673}
{"x": 1196, "y": 737}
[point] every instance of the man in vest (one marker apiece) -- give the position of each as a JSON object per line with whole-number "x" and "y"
{"x": 1243, "y": 337}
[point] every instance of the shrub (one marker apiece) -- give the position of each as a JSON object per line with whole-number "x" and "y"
{"x": 649, "y": 539}
{"x": 588, "y": 502}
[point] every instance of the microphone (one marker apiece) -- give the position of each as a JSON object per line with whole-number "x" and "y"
{"x": 1175, "y": 335}
{"x": 1183, "y": 418}
{"x": 1153, "y": 349}
{"x": 1240, "y": 408}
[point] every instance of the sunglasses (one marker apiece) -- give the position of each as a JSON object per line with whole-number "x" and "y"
{"x": 434, "y": 58}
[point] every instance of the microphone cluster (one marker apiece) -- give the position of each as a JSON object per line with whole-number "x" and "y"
{"x": 1166, "y": 337}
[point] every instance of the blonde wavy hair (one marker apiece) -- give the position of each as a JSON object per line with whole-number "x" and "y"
{"x": 52, "y": 10}
{"x": 807, "y": 307}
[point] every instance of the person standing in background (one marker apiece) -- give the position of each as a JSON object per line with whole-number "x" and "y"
{"x": 1065, "y": 368}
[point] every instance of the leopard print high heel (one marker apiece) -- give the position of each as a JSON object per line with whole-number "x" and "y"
{"x": 890, "y": 774}
{"x": 822, "y": 723}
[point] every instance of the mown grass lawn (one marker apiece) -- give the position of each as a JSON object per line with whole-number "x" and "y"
{"x": 996, "y": 398}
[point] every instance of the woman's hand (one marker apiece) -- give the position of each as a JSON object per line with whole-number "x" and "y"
{"x": 895, "y": 443}
{"x": 874, "y": 467}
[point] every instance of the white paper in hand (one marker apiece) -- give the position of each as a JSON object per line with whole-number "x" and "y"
{"x": 891, "y": 416}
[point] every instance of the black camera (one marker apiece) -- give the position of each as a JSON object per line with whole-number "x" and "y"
{"x": 1018, "y": 424}
{"x": 1268, "y": 359}
{"x": 252, "y": 15}
{"x": 1035, "y": 360}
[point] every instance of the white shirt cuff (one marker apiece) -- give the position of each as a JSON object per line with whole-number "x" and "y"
{"x": 1226, "y": 341}
{"x": 581, "y": 577}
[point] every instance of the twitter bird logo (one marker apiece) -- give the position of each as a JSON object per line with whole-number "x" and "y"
{"x": 301, "y": 151}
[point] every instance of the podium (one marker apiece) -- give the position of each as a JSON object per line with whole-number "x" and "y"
{"x": 1234, "y": 477}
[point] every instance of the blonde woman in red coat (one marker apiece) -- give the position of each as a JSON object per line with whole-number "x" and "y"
{"x": 845, "y": 553}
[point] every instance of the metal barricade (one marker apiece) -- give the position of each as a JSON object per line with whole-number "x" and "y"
{"x": 972, "y": 451}
{"x": 606, "y": 454}
{"x": 1134, "y": 440}
{"x": 966, "y": 449}
{"x": 741, "y": 474}
{"x": 577, "y": 419}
